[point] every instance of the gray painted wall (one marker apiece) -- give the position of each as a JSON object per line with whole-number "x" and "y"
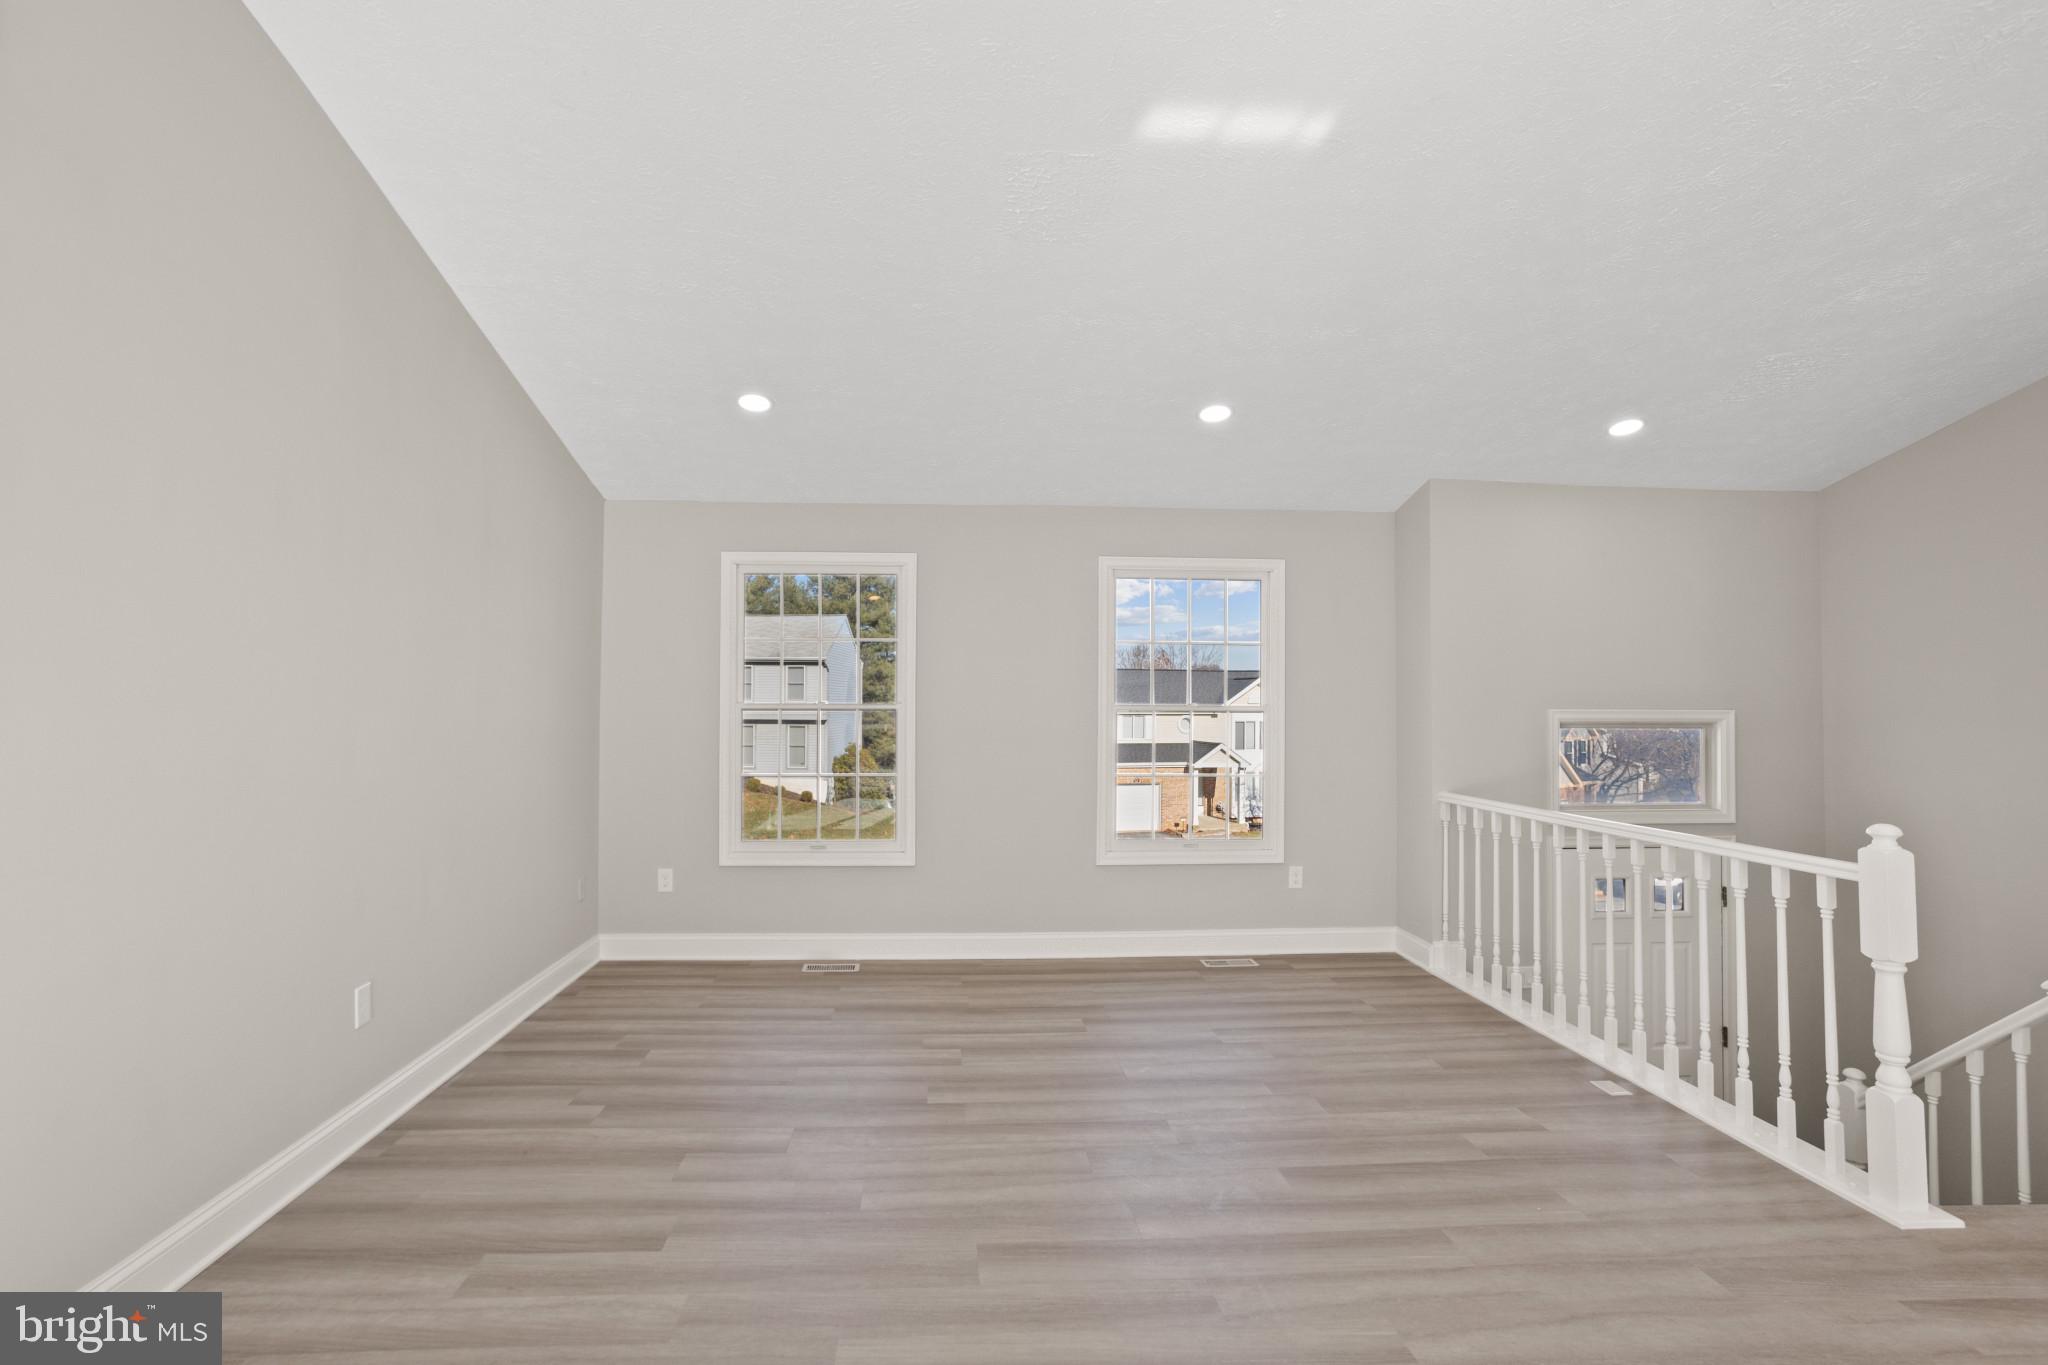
{"x": 1935, "y": 578}
{"x": 301, "y": 605}
{"x": 1538, "y": 597}
{"x": 1006, "y": 825}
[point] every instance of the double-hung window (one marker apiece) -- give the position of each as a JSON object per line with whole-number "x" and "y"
{"x": 817, "y": 769}
{"x": 1189, "y": 681}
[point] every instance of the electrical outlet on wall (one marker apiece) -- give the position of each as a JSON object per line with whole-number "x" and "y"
{"x": 1294, "y": 879}
{"x": 665, "y": 879}
{"x": 362, "y": 1004}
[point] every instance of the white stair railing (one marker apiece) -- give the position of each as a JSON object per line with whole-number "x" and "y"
{"x": 2017, "y": 1029}
{"x": 1894, "y": 1132}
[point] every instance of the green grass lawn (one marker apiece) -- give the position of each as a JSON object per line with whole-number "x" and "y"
{"x": 840, "y": 819}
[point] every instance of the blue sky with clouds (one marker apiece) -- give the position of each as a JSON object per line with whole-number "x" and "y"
{"x": 1179, "y": 609}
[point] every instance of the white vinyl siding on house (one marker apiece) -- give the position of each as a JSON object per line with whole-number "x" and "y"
{"x": 817, "y": 681}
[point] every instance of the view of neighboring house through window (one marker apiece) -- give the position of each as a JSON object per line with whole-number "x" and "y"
{"x": 1190, "y": 770}
{"x": 818, "y": 658}
{"x": 1651, "y": 765}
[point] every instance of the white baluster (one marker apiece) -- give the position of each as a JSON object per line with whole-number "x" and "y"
{"x": 1834, "y": 1136}
{"x": 1703, "y": 1065}
{"x": 1610, "y": 1027}
{"x": 2022, "y": 1049}
{"x": 1745, "y": 1088}
{"x": 1667, "y": 866}
{"x": 1515, "y": 910}
{"x": 1973, "y": 1067}
{"x": 1557, "y": 1001}
{"x": 1639, "y": 1033}
{"x": 1478, "y": 904}
{"x": 1535, "y": 917}
{"x": 1582, "y": 839}
{"x": 1443, "y": 924}
{"x": 1855, "y": 1141}
{"x": 1462, "y": 965}
{"x": 1495, "y": 978}
{"x": 1932, "y": 1085}
{"x": 1788, "y": 1113}
{"x": 1888, "y": 917}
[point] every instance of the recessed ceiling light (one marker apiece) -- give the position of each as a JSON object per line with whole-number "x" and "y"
{"x": 755, "y": 402}
{"x": 1627, "y": 426}
{"x": 1214, "y": 413}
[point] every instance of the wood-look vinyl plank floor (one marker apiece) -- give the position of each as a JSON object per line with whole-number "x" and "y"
{"x": 1329, "y": 1159}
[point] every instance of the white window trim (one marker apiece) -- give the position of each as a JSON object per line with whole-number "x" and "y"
{"x": 1111, "y": 851}
{"x": 1718, "y": 775}
{"x": 732, "y": 850}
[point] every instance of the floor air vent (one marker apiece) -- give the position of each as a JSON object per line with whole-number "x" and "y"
{"x": 831, "y": 966}
{"x": 1230, "y": 962}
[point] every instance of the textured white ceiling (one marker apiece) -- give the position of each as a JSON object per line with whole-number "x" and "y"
{"x": 1418, "y": 240}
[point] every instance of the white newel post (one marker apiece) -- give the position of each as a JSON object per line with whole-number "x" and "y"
{"x": 1889, "y": 918}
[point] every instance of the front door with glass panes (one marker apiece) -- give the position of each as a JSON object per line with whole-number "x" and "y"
{"x": 1611, "y": 918}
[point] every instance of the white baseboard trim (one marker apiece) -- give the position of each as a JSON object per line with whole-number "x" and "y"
{"x": 201, "y": 1237}
{"x": 823, "y": 947}
{"x": 1414, "y": 947}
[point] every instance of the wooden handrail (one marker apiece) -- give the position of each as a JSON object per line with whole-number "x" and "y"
{"x": 1982, "y": 1038}
{"x": 1666, "y": 838}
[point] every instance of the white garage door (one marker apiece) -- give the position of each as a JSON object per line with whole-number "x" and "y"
{"x": 1137, "y": 810}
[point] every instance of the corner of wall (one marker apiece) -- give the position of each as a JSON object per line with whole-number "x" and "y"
{"x": 1414, "y": 703}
